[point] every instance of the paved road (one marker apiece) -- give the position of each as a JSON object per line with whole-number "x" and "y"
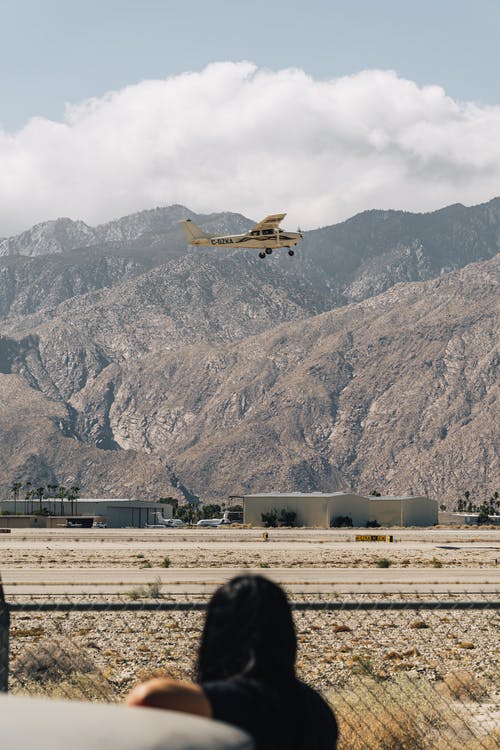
{"x": 241, "y": 539}
{"x": 230, "y": 534}
{"x": 199, "y": 580}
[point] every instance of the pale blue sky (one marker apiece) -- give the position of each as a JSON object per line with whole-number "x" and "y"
{"x": 57, "y": 51}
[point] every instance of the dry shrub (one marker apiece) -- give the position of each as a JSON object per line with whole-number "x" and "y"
{"x": 411, "y": 714}
{"x": 395, "y": 715}
{"x": 91, "y": 686}
{"x": 490, "y": 741}
{"x": 462, "y": 685}
{"x": 51, "y": 661}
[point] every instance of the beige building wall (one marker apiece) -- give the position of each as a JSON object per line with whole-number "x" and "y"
{"x": 387, "y": 512}
{"x": 317, "y": 509}
{"x": 354, "y": 506}
{"x": 403, "y": 511}
{"x": 421, "y": 511}
{"x": 25, "y": 522}
{"x": 311, "y": 510}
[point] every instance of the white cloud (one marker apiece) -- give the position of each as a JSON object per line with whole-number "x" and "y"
{"x": 235, "y": 137}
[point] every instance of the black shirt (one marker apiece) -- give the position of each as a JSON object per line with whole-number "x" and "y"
{"x": 284, "y": 715}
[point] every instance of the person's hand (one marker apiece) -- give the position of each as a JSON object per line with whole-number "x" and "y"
{"x": 173, "y": 695}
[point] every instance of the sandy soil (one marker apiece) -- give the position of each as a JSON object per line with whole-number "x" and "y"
{"x": 242, "y": 548}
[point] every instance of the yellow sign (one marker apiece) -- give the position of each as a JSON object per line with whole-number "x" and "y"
{"x": 374, "y": 538}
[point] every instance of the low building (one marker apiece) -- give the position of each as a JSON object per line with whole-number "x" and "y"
{"x": 320, "y": 509}
{"x": 462, "y": 518}
{"x": 118, "y": 512}
{"x": 402, "y": 510}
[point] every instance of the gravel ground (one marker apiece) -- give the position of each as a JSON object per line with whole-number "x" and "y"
{"x": 334, "y": 647}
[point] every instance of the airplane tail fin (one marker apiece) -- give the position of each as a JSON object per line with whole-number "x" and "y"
{"x": 192, "y": 232}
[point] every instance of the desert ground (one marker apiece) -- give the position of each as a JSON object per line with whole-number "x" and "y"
{"x": 242, "y": 548}
{"x": 450, "y": 655}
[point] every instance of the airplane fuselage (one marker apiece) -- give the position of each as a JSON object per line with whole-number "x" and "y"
{"x": 257, "y": 239}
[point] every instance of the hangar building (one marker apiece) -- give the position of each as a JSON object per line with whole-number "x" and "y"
{"x": 321, "y": 508}
{"x": 117, "y": 512}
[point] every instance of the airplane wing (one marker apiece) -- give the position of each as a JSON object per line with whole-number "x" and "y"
{"x": 270, "y": 222}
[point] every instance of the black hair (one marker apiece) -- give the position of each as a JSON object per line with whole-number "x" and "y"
{"x": 248, "y": 631}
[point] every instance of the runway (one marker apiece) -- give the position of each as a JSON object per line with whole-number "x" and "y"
{"x": 80, "y": 581}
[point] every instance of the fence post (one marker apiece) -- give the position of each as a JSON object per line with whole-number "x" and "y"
{"x": 4, "y": 642}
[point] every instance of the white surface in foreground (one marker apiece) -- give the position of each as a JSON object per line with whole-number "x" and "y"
{"x": 58, "y": 725}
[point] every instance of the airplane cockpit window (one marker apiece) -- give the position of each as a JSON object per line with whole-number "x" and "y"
{"x": 268, "y": 231}
{"x": 254, "y": 233}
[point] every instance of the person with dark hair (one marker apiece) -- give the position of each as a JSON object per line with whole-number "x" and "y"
{"x": 246, "y": 672}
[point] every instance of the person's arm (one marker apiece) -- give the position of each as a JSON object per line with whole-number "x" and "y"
{"x": 171, "y": 694}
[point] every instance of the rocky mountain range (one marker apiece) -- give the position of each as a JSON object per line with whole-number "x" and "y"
{"x": 132, "y": 365}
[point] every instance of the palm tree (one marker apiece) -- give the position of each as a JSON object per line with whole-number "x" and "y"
{"x": 74, "y": 490}
{"x": 16, "y": 486}
{"x": 52, "y": 491}
{"x": 61, "y": 494}
{"x": 39, "y": 493}
{"x": 27, "y": 496}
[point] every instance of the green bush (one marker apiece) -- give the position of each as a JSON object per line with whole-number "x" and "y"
{"x": 383, "y": 562}
{"x": 483, "y": 516}
{"x": 270, "y": 518}
{"x": 165, "y": 563}
{"x": 341, "y": 522}
{"x": 287, "y": 517}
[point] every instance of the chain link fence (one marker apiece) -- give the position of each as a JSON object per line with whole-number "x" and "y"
{"x": 401, "y": 671}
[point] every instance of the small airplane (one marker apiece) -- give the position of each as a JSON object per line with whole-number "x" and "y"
{"x": 265, "y": 236}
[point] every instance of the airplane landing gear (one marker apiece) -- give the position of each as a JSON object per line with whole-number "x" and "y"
{"x": 262, "y": 254}
{"x": 269, "y": 250}
{"x": 291, "y": 252}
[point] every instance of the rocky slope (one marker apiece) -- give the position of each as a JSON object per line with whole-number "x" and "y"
{"x": 38, "y": 445}
{"x": 181, "y": 376}
{"x": 398, "y": 393}
{"x": 62, "y": 260}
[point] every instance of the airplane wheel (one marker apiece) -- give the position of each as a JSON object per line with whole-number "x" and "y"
{"x": 262, "y": 254}
{"x": 269, "y": 250}
{"x": 291, "y": 252}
